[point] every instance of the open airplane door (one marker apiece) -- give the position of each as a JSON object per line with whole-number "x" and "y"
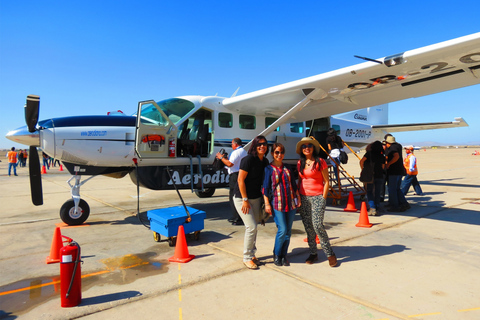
{"x": 156, "y": 134}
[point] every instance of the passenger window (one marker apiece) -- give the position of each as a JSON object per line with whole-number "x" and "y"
{"x": 269, "y": 121}
{"x": 247, "y": 122}
{"x": 336, "y": 127}
{"x": 297, "y": 127}
{"x": 225, "y": 120}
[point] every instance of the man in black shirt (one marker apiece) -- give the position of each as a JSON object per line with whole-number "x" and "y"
{"x": 395, "y": 173}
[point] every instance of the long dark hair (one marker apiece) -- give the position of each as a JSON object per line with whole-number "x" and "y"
{"x": 253, "y": 147}
{"x": 303, "y": 160}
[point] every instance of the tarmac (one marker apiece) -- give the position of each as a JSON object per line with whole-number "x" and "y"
{"x": 423, "y": 263}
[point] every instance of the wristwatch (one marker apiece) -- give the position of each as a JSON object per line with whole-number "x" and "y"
{"x": 245, "y": 199}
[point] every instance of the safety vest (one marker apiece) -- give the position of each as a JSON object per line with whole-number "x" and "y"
{"x": 406, "y": 164}
{"x": 12, "y": 156}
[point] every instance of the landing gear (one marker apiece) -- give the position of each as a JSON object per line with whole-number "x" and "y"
{"x": 76, "y": 210}
{"x": 72, "y": 216}
{"x": 208, "y": 192}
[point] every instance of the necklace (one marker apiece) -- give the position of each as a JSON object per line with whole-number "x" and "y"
{"x": 309, "y": 163}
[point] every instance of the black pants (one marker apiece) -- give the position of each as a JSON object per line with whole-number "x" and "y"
{"x": 232, "y": 183}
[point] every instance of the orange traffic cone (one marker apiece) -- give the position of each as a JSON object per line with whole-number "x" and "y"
{"x": 57, "y": 244}
{"x": 181, "y": 250}
{"x": 351, "y": 204}
{"x": 61, "y": 168}
{"x": 316, "y": 239}
{"x": 363, "y": 220}
{"x": 44, "y": 170}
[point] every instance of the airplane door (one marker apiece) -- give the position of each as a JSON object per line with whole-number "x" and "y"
{"x": 156, "y": 134}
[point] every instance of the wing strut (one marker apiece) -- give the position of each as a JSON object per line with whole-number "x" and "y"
{"x": 316, "y": 94}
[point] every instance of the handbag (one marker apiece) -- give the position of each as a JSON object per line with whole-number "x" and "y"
{"x": 217, "y": 163}
{"x": 264, "y": 216}
{"x": 366, "y": 176}
{"x": 343, "y": 157}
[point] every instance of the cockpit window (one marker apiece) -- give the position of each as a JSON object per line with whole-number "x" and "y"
{"x": 151, "y": 116}
{"x": 176, "y": 108}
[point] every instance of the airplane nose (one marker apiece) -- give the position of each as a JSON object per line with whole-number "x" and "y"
{"x": 23, "y": 136}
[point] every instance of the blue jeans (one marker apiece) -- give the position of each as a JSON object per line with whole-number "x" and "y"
{"x": 45, "y": 163}
{"x": 284, "y": 222}
{"x": 411, "y": 180}
{"x": 395, "y": 194}
{"x": 335, "y": 168}
{"x": 10, "y": 166}
{"x": 374, "y": 191}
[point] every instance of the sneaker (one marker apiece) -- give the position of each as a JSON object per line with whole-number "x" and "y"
{"x": 372, "y": 212}
{"x": 311, "y": 258}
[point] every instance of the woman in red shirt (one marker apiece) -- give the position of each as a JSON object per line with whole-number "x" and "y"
{"x": 313, "y": 187}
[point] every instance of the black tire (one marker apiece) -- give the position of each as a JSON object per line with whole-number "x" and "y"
{"x": 205, "y": 194}
{"x": 67, "y": 212}
{"x": 172, "y": 241}
{"x": 157, "y": 237}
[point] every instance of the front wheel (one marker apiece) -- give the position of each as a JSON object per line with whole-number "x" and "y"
{"x": 72, "y": 218}
{"x": 205, "y": 194}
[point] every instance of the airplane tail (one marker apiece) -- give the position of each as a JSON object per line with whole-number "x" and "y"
{"x": 377, "y": 115}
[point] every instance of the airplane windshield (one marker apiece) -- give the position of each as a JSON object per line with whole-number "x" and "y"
{"x": 175, "y": 108}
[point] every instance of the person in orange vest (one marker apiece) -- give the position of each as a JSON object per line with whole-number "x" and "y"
{"x": 12, "y": 161}
{"x": 410, "y": 164}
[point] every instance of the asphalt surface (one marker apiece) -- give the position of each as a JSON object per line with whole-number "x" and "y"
{"x": 423, "y": 263}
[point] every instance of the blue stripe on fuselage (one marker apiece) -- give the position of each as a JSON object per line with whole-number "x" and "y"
{"x": 90, "y": 121}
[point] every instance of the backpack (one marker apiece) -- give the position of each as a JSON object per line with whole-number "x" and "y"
{"x": 217, "y": 163}
{"x": 366, "y": 176}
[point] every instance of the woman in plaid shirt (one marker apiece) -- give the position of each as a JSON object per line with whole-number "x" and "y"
{"x": 281, "y": 200}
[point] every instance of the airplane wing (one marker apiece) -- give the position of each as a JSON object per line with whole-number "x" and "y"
{"x": 459, "y": 122}
{"x": 440, "y": 67}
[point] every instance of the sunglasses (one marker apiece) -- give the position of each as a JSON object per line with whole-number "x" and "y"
{"x": 264, "y": 144}
{"x": 279, "y": 152}
{"x": 308, "y": 145}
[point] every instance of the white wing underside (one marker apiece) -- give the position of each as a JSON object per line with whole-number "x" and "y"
{"x": 444, "y": 66}
{"x": 458, "y": 122}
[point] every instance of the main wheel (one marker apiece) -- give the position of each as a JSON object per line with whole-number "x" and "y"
{"x": 72, "y": 218}
{"x": 205, "y": 194}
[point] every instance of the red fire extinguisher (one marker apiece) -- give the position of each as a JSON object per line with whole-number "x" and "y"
{"x": 70, "y": 275}
{"x": 171, "y": 147}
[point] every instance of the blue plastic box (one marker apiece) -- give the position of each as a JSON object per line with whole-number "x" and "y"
{"x": 167, "y": 220}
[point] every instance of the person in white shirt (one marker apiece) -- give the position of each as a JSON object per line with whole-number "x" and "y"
{"x": 233, "y": 166}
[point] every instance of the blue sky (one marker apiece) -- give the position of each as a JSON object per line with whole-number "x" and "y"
{"x": 91, "y": 57}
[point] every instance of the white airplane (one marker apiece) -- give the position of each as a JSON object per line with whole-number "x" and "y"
{"x": 182, "y": 135}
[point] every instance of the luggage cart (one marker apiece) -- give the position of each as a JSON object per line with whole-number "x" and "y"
{"x": 165, "y": 222}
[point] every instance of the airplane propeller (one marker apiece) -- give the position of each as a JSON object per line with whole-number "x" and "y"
{"x": 31, "y": 118}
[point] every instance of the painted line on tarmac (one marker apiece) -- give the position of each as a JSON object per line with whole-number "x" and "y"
{"x": 180, "y": 317}
{"x": 27, "y": 221}
{"x": 327, "y": 289}
{"x": 58, "y": 281}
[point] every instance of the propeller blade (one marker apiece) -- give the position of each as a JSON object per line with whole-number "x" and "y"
{"x": 31, "y": 112}
{"x": 35, "y": 177}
